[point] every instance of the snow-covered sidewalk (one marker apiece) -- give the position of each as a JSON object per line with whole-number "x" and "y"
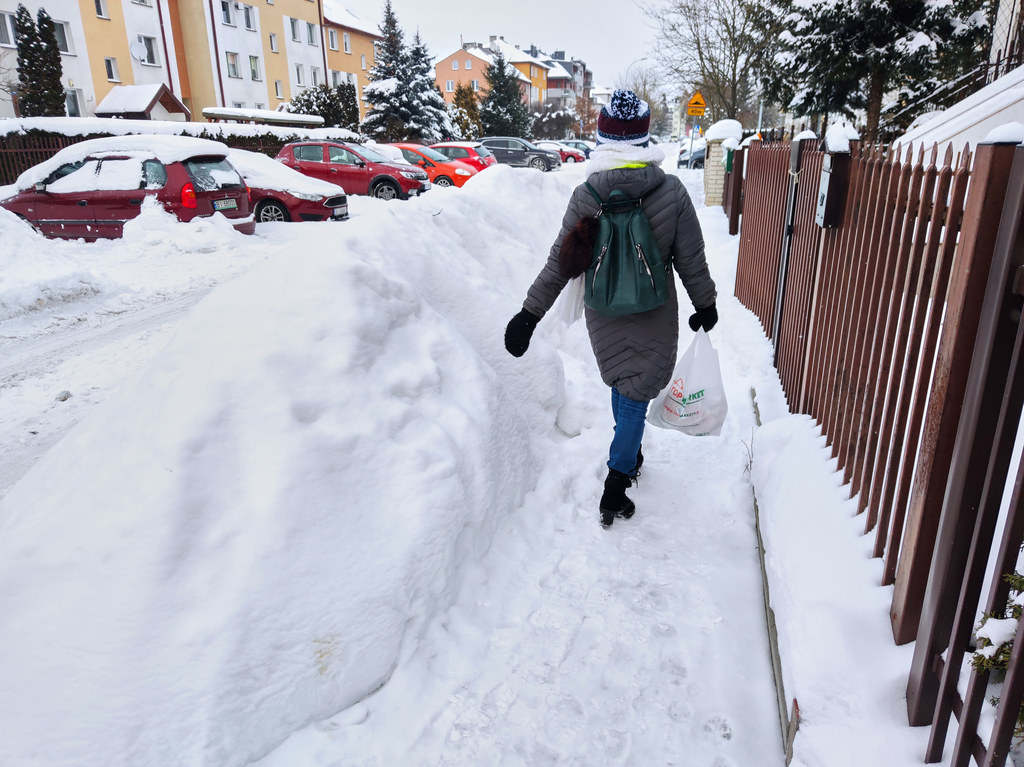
{"x": 333, "y": 522}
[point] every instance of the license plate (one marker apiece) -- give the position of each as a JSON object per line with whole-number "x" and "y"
{"x": 339, "y": 212}
{"x": 229, "y": 204}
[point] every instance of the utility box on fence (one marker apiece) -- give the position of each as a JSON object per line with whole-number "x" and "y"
{"x": 835, "y": 175}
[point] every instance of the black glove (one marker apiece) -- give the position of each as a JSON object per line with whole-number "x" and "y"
{"x": 518, "y": 332}
{"x": 705, "y": 318}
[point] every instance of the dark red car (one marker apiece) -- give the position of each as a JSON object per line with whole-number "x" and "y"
{"x": 355, "y": 167}
{"x": 90, "y": 189}
{"x": 279, "y": 193}
{"x": 472, "y": 152}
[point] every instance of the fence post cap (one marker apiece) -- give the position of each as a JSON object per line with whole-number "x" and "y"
{"x": 1008, "y": 133}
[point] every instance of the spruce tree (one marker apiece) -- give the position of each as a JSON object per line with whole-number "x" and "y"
{"x": 27, "y": 37}
{"x": 389, "y": 114}
{"x": 349, "y": 106}
{"x": 465, "y": 111}
{"x": 838, "y": 58}
{"x": 429, "y": 120}
{"x": 503, "y": 112}
{"x": 323, "y": 101}
{"x": 51, "y": 89}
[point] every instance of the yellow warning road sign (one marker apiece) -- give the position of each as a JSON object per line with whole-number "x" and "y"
{"x": 696, "y": 105}
{"x": 698, "y": 111}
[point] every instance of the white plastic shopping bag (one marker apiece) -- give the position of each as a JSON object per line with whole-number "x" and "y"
{"x": 694, "y": 402}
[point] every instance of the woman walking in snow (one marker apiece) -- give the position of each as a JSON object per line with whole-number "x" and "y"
{"x": 635, "y": 353}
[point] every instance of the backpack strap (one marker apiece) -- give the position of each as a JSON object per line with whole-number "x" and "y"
{"x": 594, "y": 192}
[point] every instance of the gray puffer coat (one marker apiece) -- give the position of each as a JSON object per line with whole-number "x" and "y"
{"x": 636, "y": 353}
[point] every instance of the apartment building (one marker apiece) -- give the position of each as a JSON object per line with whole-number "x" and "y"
{"x": 468, "y": 66}
{"x": 208, "y": 53}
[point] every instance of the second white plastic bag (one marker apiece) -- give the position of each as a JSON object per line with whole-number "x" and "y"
{"x": 694, "y": 402}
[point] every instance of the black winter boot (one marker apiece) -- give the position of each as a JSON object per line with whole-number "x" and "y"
{"x": 614, "y": 502}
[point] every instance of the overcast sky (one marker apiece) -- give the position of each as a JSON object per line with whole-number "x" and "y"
{"x": 609, "y": 37}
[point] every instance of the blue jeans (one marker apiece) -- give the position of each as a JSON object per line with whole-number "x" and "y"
{"x": 629, "y": 431}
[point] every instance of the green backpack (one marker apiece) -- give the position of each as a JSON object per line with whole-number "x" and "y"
{"x": 627, "y": 275}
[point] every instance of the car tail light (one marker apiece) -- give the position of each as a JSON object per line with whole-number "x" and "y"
{"x": 188, "y": 196}
{"x": 248, "y": 192}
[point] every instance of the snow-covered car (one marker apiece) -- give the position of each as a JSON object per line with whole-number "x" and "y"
{"x": 279, "y": 193}
{"x": 694, "y": 159}
{"x": 567, "y": 153}
{"x": 579, "y": 144}
{"x": 90, "y": 189}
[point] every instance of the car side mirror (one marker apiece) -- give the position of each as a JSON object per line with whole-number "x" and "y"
{"x": 40, "y": 186}
{"x": 361, "y": 163}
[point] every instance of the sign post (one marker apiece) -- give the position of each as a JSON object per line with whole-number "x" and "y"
{"x": 695, "y": 107}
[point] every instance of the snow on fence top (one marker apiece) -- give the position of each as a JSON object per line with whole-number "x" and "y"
{"x": 724, "y": 129}
{"x": 88, "y": 126}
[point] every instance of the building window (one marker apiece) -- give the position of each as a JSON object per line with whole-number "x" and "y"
{"x": 455, "y": 64}
{"x": 449, "y": 86}
{"x": 249, "y": 14}
{"x": 101, "y": 9}
{"x": 299, "y": 77}
{"x": 260, "y": 106}
{"x": 310, "y": 33}
{"x": 150, "y": 43}
{"x": 254, "y": 68}
{"x": 63, "y": 34}
{"x": 296, "y": 34}
{"x": 362, "y": 61}
{"x": 232, "y": 63}
{"x": 273, "y": 43}
{"x": 225, "y": 12}
{"x": 346, "y": 41}
{"x": 141, "y": 2}
{"x": 7, "y": 29}
{"x": 332, "y": 39}
{"x": 111, "y": 66}
{"x": 278, "y": 89}
{"x": 238, "y": 104}
{"x": 72, "y": 103}
{"x": 469, "y": 63}
{"x": 314, "y": 76}
{"x": 475, "y": 84}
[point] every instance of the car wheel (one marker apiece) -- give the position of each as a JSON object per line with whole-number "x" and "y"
{"x": 570, "y": 159}
{"x": 385, "y": 190}
{"x": 268, "y": 211}
{"x": 538, "y": 163}
{"x": 443, "y": 181}
{"x": 697, "y": 164}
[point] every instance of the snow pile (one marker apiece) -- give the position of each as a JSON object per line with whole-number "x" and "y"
{"x": 838, "y": 138}
{"x": 724, "y": 129}
{"x": 264, "y": 172}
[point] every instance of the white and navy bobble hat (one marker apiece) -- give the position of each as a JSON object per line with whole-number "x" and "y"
{"x": 625, "y": 120}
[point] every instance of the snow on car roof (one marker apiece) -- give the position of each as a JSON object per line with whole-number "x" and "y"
{"x": 264, "y": 172}
{"x": 468, "y": 144}
{"x": 166, "y": 149}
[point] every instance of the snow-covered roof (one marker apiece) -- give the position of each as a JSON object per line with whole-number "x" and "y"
{"x": 139, "y": 100}
{"x": 340, "y": 14}
{"x": 129, "y": 98}
{"x": 487, "y": 55}
{"x": 166, "y": 149}
{"x": 264, "y": 172}
{"x": 515, "y": 55}
{"x": 972, "y": 119}
{"x": 265, "y": 116}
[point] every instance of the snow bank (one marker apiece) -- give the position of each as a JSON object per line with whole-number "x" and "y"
{"x": 279, "y": 503}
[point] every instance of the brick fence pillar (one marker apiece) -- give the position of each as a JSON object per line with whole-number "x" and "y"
{"x": 714, "y": 173}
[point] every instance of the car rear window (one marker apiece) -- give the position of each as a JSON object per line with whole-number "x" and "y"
{"x": 210, "y": 174}
{"x": 454, "y": 152}
{"x": 308, "y": 153}
{"x": 482, "y": 150}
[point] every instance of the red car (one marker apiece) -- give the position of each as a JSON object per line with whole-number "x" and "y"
{"x": 567, "y": 153}
{"x": 443, "y": 171}
{"x": 279, "y": 193}
{"x": 90, "y": 189}
{"x": 355, "y": 167}
{"x": 471, "y": 152}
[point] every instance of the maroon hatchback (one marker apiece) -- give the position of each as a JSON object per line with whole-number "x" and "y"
{"x": 90, "y": 189}
{"x": 355, "y": 167}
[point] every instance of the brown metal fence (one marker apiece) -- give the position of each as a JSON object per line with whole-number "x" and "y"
{"x": 875, "y": 323}
{"x": 19, "y": 152}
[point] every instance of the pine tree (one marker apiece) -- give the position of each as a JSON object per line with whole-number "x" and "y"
{"x": 389, "y": 114}
{"x": 553, "y": 122}
{"x": 466, "y": 112}
{"x": 429, "y": 122}
{"x": 51, "y": 89}
{"x": 882, "y": 45}
{"x": 503, "y": 112}
{"x": 27, "y": 35}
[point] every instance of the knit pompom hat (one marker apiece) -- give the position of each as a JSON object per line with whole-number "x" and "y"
{"x": 625, "y": 120}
